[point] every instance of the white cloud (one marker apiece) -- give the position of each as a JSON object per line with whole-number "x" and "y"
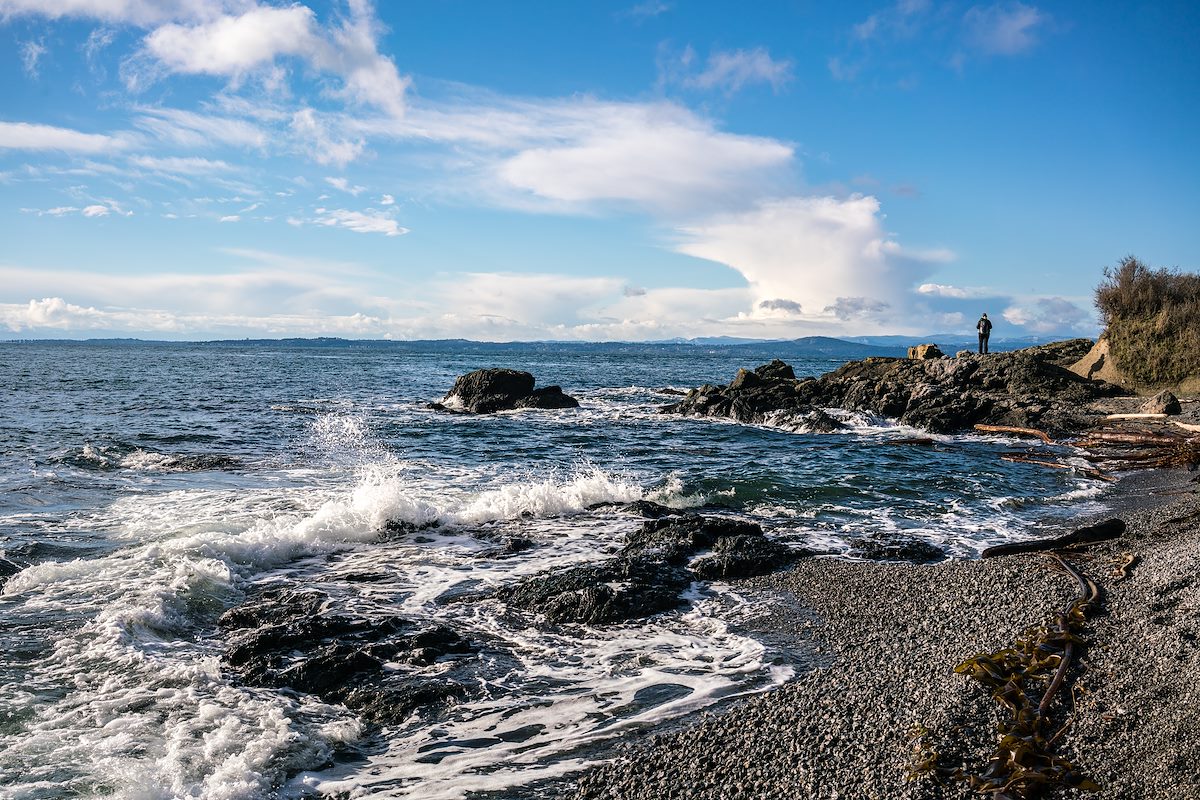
{"x": 1045, "y": 315}
{"x": 648, "y": 9}
{"x": 731, "y": 71}
{"x": 344, "y": 185}
{"x": 1003, "y": 28}
{"x": 230, "y": 218}
{"x": 233, "y": 45}
{"x": 319, "y": 141}
{"x": 387, "y": 200}
{"x": 137, "y": 12}
{"x": 189, "y": 165}
{"x": 96, "y": 211}
{"x": 660, "y": 156}
{"x": 32, "y": 136}
{"x": 31, "y": 53}
{"x": 360, "y": 221}
{"x": 956, "y": 292}
{"x": 823, "y": 253}
{"x": 192, "y": 129}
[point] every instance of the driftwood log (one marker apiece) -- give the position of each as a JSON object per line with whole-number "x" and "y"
{"x": 1034, "y": 432}
{"x": 1109, "y": 529}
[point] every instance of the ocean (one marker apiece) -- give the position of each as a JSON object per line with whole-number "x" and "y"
{"x": 146, "y": 489}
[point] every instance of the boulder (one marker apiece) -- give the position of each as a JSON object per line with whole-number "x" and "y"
{"x": 1162, "y": 403}
{"x": 921, "y": 352}
{"x": 485, "y": 391}
{"x": 898, "y": 548}
{"x": 743, "y": 557}
{"x": 765, "y": 395}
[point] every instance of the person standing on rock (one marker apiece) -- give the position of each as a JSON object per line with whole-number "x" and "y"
{"x": 984, "y": 326}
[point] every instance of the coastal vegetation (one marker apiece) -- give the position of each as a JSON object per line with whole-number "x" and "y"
{"x": 1152, "y": 319}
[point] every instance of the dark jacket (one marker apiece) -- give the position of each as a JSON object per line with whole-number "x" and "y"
{"x": 984, "y": 326}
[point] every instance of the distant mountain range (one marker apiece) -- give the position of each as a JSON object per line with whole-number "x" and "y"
{"x": 806, "y": 347}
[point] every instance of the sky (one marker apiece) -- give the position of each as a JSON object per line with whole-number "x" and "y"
{"x": 637, "y": 170}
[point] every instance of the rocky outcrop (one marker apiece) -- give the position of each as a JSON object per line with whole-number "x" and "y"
{"x": 485, "y": 391}
{"x": 652, "y": 569}
{"x": 289, "y": 638}
{"x": 924, "y": 351}
{"x": 764, "y": 395}
{"x": 1026, "y": 388}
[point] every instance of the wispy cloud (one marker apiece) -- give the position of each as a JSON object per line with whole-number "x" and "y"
{"x": 31, "y": 52}
{"x": 344, "y": 185}
{"x": 730, "y": 71}
{"x": 33, "y": 136}
{"x": 1003, "y": 28}
{"x": 360, "y": 221}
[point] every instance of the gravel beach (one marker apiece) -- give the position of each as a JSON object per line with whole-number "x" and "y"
{"x": 886, "y": 638}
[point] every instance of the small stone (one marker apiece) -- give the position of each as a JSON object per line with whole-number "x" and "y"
{"x": 1162, "y": 403}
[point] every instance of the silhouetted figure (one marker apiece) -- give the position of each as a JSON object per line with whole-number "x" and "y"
{"x": 984, "y": 326}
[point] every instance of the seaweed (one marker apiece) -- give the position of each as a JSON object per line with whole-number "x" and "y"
{"x": 1026, "y": 679}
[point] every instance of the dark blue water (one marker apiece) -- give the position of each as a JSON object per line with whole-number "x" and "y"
{"x": 147, "y": 488}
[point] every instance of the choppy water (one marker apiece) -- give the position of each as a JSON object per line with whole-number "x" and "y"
{"x": 148, "y": 488}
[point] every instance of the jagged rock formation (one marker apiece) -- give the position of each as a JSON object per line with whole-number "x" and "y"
{"x": 485, "y": 391}
{"x": 1025, "y": 388}
{"x": 290, "y": 638}
{"x": 652, "y": 570}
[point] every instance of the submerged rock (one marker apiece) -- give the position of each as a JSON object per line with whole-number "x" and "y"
{"x": 651, "y": 571}
{"x": 1026, "y": 388}
{"x": 485, "y": 391}
{"x": 290, "y": 638}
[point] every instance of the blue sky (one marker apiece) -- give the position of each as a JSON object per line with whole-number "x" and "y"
{"x": 184, "y": 169}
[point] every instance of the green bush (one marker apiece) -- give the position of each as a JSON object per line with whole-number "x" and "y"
{"x": 1153, "y": 321}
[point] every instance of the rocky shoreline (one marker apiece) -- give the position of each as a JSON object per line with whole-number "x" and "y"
{"x": 886, "y": 638}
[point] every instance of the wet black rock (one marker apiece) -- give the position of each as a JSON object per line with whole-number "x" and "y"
{"x": 1026, "y": 388}
{"x": 744, "y": 557}
{"x": 290, "y": 638}
{"x": 651, "y": 570}
{"x": 485, "y": 391}
{"x": 898, "y": 548}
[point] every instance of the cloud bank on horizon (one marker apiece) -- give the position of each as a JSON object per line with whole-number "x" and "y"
{"x": 226, "y": 168}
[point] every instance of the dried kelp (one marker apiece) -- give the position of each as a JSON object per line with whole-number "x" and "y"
{"x": 1027, "y": 680}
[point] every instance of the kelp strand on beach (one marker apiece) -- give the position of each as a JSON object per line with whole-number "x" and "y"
{"x": 1025, "y": 679}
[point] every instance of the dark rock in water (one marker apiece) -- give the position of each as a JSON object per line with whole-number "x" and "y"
{"x": 776, "y": 371}
{"x": 651, "y": 510}
{"x": 289, "y": 638}
{"x": 485, "y": 391}
{"x": 744, "y": 557}
{"x": 617, "y": 590}
{"x": 651, "y": 571}
{"x": 899, "y": 548}
{"x": 7, "y": 570}
{"x": 1024, "y": 388}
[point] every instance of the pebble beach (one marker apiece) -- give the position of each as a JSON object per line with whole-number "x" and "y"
{"x": 887, "y": 637}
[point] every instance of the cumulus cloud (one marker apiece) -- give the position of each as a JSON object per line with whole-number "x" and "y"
{"x": 387, "y": 200}
{"x": 1045, "y": 315}
{"x": 1003, "y": 28}
{"x": 32, "y": 136}
{"x": 820, "y": 252}
{"x": 232, "y": 45}
{"x": 785, "y": 306}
